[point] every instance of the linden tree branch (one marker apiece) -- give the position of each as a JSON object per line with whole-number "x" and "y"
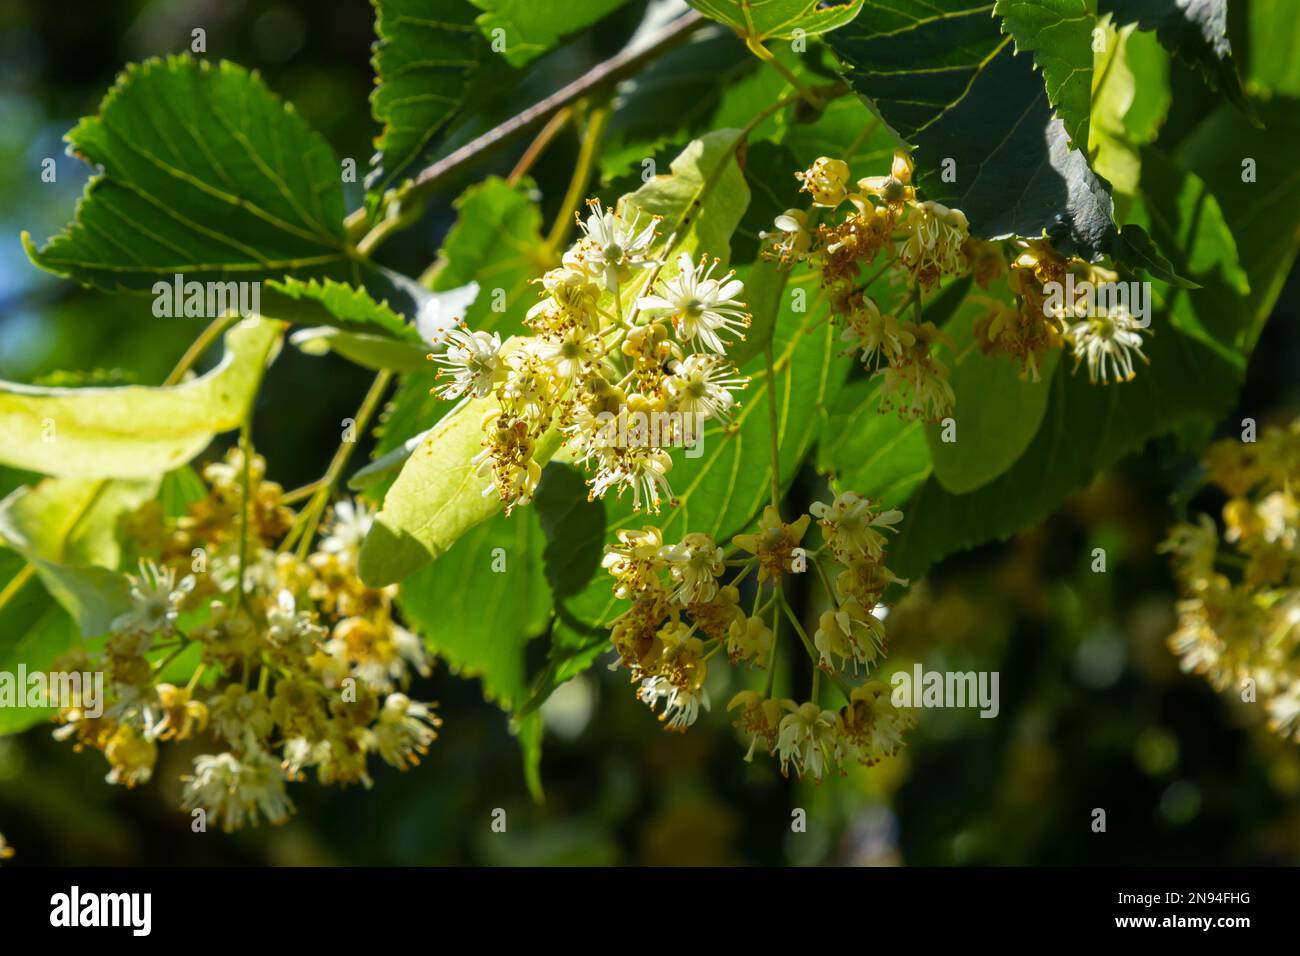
{"x": 604, "y": 74}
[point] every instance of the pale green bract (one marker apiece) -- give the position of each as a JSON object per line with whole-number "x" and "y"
{"x": 134, "y": 431}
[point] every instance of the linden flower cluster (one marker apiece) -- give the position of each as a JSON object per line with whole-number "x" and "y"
{"x": 627, "y": 359}
{"x": 682, "y": 615}
{"x": 924, "y": 241}
{"x": 1239, "y": 617}
{"x": 1108, "y": 337}
{"x": 302, "y": 668}
{"x": 6, "y": 851}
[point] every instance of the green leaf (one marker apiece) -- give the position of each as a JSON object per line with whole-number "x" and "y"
{"x": 1264, "y": 213}
{"x": 1086, "y": 429}
{"x": 436, "y": 498}
{"x": 531, "y": 27}
{"x": 574, "y": 527}
{"x": 180, "y": 489}
{"x": 358, "y": 328}
{"x": 1059, "y": 33}
{"x": 769, "y": 174}
{"x": 768, "y": 287}
{"x": 948, "y": 83}
{"x": 34, "y": 631}
{"x": 496, "y": 246}
{"x": 376, "y": 352}
{"x": 701, "y": 199}
{"x": 846, "y": 128}
{"x": 1148, "y": 62}
{"x": 204, "y": 172}
{"x": 1195, "y": 30}
{"x": 337, "y": 304}
{"x": 575, "y": 544}
{"x": 133, "y": 431}
{"x": 67, "y": 529}
{"x": 1180, "y": 210}
{"x": 1273, "y": 47}
{"x": 72, "y": 520}
{"x": 1132, "y": 247}
{"x": 1112, "y": 149}
{"x": 873, "y": 453}
{"x": 482, "y": 601}
{"x": 779, "y": 19}
{"x": 425, "y": 56}
{"x": 479, "y": 606}
{"x": 996, "y": 413}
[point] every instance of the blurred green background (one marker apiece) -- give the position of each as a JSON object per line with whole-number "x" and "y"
{"x": 1094, "y": 710}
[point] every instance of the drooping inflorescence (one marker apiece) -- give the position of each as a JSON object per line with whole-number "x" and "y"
{"x": 683, "y": 613}
{"x": 1049, "y": 302}
{"x": 1239, "y": 616}
{"x": 880, "y": 217}
{"x": 1044, "y": 316}
{"x": 627, "y": 360}
{"x": 291, "y": 665}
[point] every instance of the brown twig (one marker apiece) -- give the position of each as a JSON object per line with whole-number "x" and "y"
{"x": 610, "y": 71}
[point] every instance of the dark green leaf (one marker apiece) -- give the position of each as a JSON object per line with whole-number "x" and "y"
{"x": 528, "y": 28}
{"x": 34, "y": 632}
{"x": 479, "y": 606}
{"x": 1263, "y": 212}
{"x": 950, "y": 84}
{"x": 426, "y": 53}
{"x": 1180, "y": 210}
{"x": 1059, "y": 33}
{"x": 1132, "y": 247}
{"x": 996, "y": 414}
{"x": 205, "y": 173}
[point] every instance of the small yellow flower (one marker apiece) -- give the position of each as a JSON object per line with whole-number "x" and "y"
{"x": 774, "y": 543}
{"x": 749, "y": 638}
{"x": 851, "y": 633}
{"x": 825, "y": 180}
{"x": 806, "y": 739}
{"x": 896, "y": 188}
{"x": 760, "y": 718}
{"x": 181, "y": 714}
{"x": 793, "y": 240}
{"x": 131, "y": 756}
{"x": 869, "y": 727}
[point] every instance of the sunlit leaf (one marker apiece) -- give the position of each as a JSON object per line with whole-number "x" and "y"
{"x": 133, "y": 431}
{"x": 779, "y": 19}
